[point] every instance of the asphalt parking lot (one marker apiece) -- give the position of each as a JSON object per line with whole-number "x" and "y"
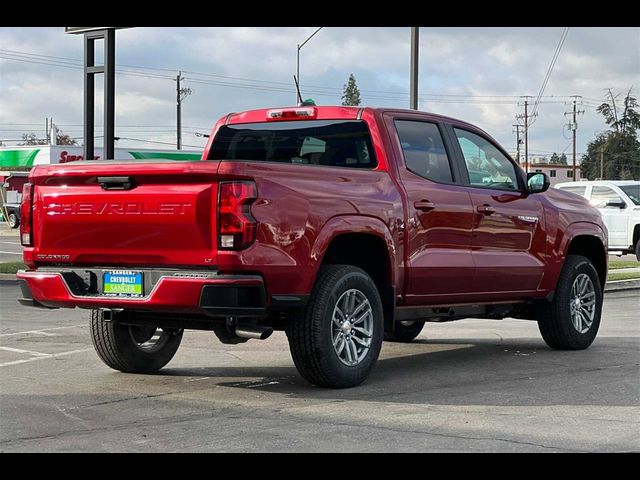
{"x": 472, "y": 385}
{"x": 10, "y": 248}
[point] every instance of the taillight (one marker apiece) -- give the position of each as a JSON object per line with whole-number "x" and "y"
{"x": 236, "y": 225}
{"x": 25, "y": 215}
{"x": 292, "y": 114}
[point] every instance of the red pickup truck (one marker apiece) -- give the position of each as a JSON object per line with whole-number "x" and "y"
{"x": 342, "y": 226}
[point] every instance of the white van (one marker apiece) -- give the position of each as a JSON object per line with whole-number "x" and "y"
{"x": 619, "y": 204}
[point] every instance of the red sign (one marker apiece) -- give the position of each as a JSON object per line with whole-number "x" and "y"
{"x": 66, "y": 158}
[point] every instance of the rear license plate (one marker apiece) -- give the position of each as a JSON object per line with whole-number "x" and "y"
{"x": 123, "y": 284}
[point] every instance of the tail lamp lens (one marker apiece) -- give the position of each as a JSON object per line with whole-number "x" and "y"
{"x": 236, "y": 225}
{"x": 25, "y": 215}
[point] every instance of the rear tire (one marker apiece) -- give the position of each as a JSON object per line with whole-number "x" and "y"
{"x": 14, "y": 222}
{"x": 638, "y": 250}
{"x": 404, "y": 332}
{"x": 132, "y": 349}
{"x": 571, "y": 321}
{"x": 337, "y": 342}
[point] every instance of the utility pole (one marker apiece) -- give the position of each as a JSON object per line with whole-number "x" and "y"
{"x": 181, "y": 94}
{"x": 526, "y": 137}
{"x": 518, "y": 142}
{"x": 574, "y": 126}
{"x": 413, "y": 80}
{"x": 178, "y": 113}
{"x": 526, "y": 117}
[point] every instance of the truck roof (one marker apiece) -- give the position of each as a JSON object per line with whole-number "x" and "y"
{"x": 333, "y": 112}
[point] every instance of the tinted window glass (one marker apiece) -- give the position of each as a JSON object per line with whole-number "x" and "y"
{"x": 317, "y": 142}
{"x": 601, "y": 195}
{"x": 487, "y": 166}
{"x": 423, "y": 150}
{"x": 633, "y": 192}
{"x": 577, "y": 189}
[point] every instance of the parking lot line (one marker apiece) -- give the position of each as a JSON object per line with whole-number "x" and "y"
{"x": 29, "y": 352}
{"x": 48, "y": 356}
{"x": 10, "y": 253}
{"x": 40, "y": 332}
{"x": 11, "y": 243}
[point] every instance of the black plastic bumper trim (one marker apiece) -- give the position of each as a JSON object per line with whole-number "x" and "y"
{"x": 233, "y": 300}
{"x": 289, "y": 302}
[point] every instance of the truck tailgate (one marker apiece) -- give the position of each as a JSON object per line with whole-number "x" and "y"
{"x": 165, "y": 216}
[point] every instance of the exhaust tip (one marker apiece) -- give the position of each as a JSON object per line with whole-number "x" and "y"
{"x": 255, "y": 332}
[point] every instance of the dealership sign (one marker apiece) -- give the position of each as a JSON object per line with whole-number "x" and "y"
{"x": 27, "y": 157}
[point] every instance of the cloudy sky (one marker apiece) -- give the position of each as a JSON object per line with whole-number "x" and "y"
{"x": 476, "y": 74}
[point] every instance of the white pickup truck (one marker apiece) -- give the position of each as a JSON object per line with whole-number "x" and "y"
{"x": 619, "y": 204}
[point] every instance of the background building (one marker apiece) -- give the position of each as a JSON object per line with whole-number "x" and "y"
{"x": 25, "y": 157}
{"x": 557, "y": 172}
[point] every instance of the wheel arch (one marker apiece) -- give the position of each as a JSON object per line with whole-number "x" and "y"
{"x": 364, "y": 242}
{"x": 591, "y": 247}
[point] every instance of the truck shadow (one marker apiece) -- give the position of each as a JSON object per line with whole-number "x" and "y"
{"x": 517, "y": 372}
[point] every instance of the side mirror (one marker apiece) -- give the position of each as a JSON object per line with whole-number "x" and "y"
{"x": 618, "y": 203}
{"x": 537, "y": 182}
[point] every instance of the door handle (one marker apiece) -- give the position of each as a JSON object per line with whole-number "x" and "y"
{"x": 116, "y": 183}
{"x": 424, "y": 205}
{"x": 486, "y": 209}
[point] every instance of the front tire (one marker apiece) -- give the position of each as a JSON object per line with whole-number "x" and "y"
{"x": 133, "y": 349}
{"x": 337, "y": 342}
{"x": 571, "y": 320}
{"x": 14, "y": 222}
{"x": 404, "y": 331}
{"x": 638, "y": 250}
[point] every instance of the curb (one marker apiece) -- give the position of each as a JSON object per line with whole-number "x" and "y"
{"x": 8, "y": 277}
{"x": 619, "y": 285}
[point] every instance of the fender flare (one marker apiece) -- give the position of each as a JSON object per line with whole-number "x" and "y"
{"x": 557, "y": 256}
{"x": 579, "y": 228}
{"x": 345, "y": 224}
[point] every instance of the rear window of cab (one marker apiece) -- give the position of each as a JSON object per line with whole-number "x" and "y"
{"x": 334, "y": 143}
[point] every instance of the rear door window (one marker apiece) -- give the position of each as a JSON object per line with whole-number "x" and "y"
{"x": 423, "y": 150}
{"x": 601, "y": 195}
{"x": 577, "y": 189}
{"x": 334, "y": 143}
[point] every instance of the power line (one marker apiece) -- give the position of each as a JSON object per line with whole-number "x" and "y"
{"x": 269, "y": 85}
{"x": 550, "y": 69}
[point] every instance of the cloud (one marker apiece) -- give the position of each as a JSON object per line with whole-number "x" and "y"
{"x": 460, "y": 61}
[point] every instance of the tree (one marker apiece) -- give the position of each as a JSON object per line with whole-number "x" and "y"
{"x": 555, "y": 159}
{"x": 563, "y": 159}
{"x": 64, "y": 139}
{"x": 617, "y": 148}
{"x": 61, "y": 139}
{"x": 32, "y": 139}
{"x": 351, "y": 94}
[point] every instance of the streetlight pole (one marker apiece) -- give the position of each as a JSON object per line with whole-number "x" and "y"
{"x": 413, "y": 80}
{"x": 300, "y": 45}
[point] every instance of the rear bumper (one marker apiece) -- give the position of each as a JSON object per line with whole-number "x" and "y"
{"x": 206, "y": 293}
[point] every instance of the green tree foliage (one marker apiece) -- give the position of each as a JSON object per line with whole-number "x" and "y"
{"x": 618, "y": 147}
{"x": 563, "y": 159}
{"x": 555, "y": 159}
{"x": 351, "y": 94}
